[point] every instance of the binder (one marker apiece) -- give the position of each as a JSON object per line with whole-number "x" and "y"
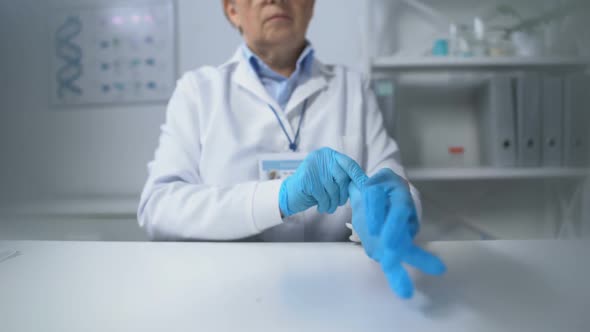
{"x": 496, "y": 119}
{"x": 552, "y": 103}
{"x": 384, "y": 90}
{"x": 577, "y": 121}
{"x": 528, "y": 119}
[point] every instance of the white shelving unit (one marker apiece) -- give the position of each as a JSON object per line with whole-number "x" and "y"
{"x": 432, "y": 89}
{"x": 426, "y": 72}
{"x": 485, "y": 63}
{"x": 433, "y": 174}
{"x": 466, "y": 72}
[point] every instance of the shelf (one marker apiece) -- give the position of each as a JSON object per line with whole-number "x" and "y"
{"x": 441, "y": 63}
{"x": 437, "y": 174}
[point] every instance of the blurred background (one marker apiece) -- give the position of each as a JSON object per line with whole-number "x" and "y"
{"x": 488, "y": 100}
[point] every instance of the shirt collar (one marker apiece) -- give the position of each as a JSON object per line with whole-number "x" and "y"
{"x": 304, "y": 63}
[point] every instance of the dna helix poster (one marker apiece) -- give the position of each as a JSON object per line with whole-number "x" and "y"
{"x": 112, "y": 54}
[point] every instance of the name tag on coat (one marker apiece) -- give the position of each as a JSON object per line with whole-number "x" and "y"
{"x": 277, "y": 166}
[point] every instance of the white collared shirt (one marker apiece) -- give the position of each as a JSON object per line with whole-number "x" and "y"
{"x": 278, "y": 86}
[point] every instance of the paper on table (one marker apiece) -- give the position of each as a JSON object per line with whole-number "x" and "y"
{"x": 6, "y": 254}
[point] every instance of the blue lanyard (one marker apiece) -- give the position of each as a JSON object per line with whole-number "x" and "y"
{"x": 292, "y": 143}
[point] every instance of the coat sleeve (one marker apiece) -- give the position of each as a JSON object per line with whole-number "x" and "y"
{"x": 175, "y": 203}
{"x": 382, "y": 150}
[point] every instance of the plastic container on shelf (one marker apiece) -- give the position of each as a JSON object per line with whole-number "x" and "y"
{"x": 456, "y": 156}
{"x": 528, "y": 43}
{"x": 500, "y": 46}
{"x": 479, "y": 45}
{"x": 441, "y": 47}
{"x": 453, "y": 39}
{"x": 461, "y": 36}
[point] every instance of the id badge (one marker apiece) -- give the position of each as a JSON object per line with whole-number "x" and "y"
{"x": 278, "y": 166}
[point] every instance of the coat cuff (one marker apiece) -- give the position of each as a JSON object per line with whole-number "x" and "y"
{"x": 418, "y": 205}
{"x": 417, "y": 201}
{"x": 265, "y": 205}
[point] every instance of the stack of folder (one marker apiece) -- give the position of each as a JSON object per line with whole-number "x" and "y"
{"x": 577, "y": 121}
{"x": 535, "y": 120}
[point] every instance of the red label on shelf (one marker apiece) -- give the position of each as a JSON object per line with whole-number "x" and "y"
{"x": 456, "y": 150}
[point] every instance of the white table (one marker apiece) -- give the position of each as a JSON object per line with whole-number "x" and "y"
{"x": 490, "y": 286}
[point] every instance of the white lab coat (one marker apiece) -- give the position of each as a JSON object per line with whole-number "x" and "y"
{"x": 204, "y": 184}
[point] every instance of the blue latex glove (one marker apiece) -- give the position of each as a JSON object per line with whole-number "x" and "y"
{"x": 383, "y": 191}
{"x": 382, "y": 216}
{"x": 322, "y": 179}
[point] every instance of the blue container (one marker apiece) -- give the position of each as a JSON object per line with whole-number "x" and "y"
{"x": 441, "y": 47}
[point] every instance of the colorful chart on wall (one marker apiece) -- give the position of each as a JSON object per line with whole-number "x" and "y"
{"x": 114, "y": 54}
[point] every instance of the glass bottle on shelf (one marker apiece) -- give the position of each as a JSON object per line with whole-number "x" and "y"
{"x": 479, "y": 47}
{"x": 460, "y": 40}
{"x": 500, "y": 46}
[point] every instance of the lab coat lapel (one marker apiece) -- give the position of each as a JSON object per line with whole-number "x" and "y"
{"x": 316, "y": 82}
{"x": 246, "y": 78}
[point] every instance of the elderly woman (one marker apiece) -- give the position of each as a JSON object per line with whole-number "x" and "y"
{"x": 250, "y": 147}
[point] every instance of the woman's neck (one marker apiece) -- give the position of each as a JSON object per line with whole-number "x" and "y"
{"x": 280, "y": 59}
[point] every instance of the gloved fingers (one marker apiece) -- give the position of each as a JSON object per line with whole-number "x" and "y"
{"x": 321, "y": 197}
{"x": 396, "y": 226}
{"x": 372, "y": 249}
{"x": 354, "y": 171}
{"x": 414, "y": 225}
{"x": 342, "y": 180}
{"x": 376, "y": 254}
{"x": 403, "y": 199}
{"x": 384, "y": 175}
{"x": 387, "y": 176}
{"x": 400, "y": 282}
{"x": 333, "y": 192}
{"x": 355, "y": 193}
{"x": 358, "y": 210}
{"x": 390, "y": 259}
{"x": 370, "y": 244}
{"x": 375, "y": 201}
{"x": 399, "y": 194}
{"x": 424, "y": 261}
